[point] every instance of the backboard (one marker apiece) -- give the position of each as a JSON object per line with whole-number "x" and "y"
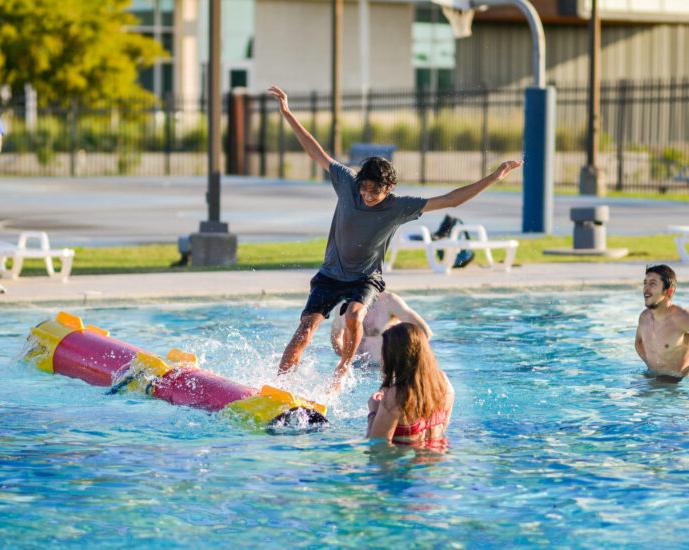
{"x": 460, "y": 14}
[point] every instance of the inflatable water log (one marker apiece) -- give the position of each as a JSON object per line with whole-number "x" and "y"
{"x": 65, "y": 346}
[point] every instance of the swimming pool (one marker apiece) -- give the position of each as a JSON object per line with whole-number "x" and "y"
{"x": 557, "y": 439}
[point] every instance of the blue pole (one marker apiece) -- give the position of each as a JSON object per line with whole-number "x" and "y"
{"x": 539, "y": 155}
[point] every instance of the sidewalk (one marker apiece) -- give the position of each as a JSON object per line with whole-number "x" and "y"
{"x": 225, "y": 284}
{"x": 116, "y": 210}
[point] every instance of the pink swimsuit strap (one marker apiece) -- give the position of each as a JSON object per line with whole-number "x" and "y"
{"x": 421, "y": 425}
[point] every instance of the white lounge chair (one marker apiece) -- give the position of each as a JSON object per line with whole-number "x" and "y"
{"x": 19, "y": 252}
{"x": 451, "y": 245}
{"x": 681, "y": 240}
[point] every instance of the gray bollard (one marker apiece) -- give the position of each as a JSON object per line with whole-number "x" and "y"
{"x": 589, "y": 227}
{"x": 590, "y": 234}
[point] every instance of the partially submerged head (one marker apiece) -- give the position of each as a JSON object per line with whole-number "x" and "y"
{"x": 410, "y": 366}
{"x": 376, "y": 179}
{"x": 660, "y": 283}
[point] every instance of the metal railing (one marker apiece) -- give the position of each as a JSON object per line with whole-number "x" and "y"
{"x": 452, "y": 137}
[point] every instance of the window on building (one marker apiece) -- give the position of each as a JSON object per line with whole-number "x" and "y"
{"x": 239, "y": 78}
{"x": 433, "y": 49}
{"x": 237, "y": 23}
{"x": 156, "y": 19}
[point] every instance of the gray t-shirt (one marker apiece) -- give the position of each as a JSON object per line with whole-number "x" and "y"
{"x": 359, "y": 234}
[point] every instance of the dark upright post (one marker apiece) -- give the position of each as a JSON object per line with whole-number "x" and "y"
{"x": 213, "y": 244}
{"x": 539, "y": 154}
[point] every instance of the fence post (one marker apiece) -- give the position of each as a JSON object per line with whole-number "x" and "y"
{"x": 248, "y": 125}
{"x": 169, "y": 115}
{"x": 423, "y": 137}
{"x": 281, "y": 148}
{"x": 484, "y": 130}
{"x": 367, "y": 96}
{"x": 229, "y": 143}
{"x": 672, "y": 112}
{"x": 621, "y": 130}
{"x": 262, "y": 132}
{"x": 73, "y": 138}
{"x": 235, "y": 157}
{"x": 314, "y": 128}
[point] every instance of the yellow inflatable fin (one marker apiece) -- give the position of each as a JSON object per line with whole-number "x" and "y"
{"x": 286, "y": 397}
{"x": 98, "y": 330}
{"x": 70, "y": 321}
{"x": 182, "y": 358}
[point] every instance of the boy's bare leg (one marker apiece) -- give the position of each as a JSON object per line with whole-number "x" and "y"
{"x": 302, "y": 337}
{"x": 336, "y": 340}
{"x": 353, "y": 333}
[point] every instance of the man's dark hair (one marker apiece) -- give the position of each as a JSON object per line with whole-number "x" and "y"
{"x": 666, "y": 274}
{"x": 379, "y": 171}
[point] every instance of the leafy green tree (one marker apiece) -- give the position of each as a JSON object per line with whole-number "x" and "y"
{"x": 73, "y": 49}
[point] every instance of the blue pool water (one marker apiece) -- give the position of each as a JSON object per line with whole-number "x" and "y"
{"x": 557, "y": 440}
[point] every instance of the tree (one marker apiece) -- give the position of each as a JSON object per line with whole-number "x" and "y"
{"x": 73, "y": 49}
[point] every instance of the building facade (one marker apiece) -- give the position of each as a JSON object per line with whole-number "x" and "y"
{"x": 403, "y": 44}
{"x": 181, "y": 26}
{"x": 640, "y": 40}
{"x": 293, "y": 45}
{"x": 289, "y": 42}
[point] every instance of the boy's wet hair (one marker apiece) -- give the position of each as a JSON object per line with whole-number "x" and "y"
{"x": 379, "y": 171}
{"x": 666, "y": 274}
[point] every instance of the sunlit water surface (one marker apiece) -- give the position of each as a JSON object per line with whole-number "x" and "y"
{"x": 558, "y": 439}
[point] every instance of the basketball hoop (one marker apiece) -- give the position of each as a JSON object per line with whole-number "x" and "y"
{"x": 460, "y": 20}
{"x": 460, "y": 14}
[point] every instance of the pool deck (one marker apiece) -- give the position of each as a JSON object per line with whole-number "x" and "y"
{"x": 226, "y": 284}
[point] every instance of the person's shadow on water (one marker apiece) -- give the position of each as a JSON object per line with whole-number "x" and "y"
{"x": 651, "y": 384}
{"x": 399, "y": 461}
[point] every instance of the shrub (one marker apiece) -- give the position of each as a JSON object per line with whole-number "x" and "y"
{"x": 404, "y": 135}
{"x": 666, "y": 163}
{"x": 196, "y": 139}
{"x": 505, "y": 139}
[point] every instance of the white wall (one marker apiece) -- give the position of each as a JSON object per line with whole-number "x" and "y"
{"x": 293, "y": 40}
{"x": 187, "y": 79}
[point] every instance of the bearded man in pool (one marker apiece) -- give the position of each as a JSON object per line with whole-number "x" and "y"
{"x": 662, "y": 337}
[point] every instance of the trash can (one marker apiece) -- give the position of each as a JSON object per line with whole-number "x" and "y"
{"x": 589, "y": 226}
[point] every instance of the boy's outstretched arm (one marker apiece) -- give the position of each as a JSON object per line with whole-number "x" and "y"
{"x": 463, "y": 194}
{"x": 306, "y": 140}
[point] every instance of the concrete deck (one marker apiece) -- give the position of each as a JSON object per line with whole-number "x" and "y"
{"x": 219, "y": 285}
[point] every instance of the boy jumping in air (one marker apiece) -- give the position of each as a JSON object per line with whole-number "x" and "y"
{"x": 366, "y": 217}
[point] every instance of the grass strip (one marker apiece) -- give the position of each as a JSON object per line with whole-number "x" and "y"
{"x": 156, "y": 258}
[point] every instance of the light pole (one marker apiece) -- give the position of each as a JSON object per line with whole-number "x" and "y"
{"x": 336, "y": 67}
{"x": 213, "y": 244}
{"x": 592, "y": 180}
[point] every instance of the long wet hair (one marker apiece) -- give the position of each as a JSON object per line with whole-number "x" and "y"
{"x": 410, "y": 366}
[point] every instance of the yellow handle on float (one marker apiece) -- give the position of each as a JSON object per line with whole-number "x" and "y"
{"x": 269, "y": 403}
{"x": 144, "y": 368}
{"x": 97, "y": 330}
{"x": 48, "y": 335}
{"x": 288, "y": 397}
{"x": 183, "y": 358}
{"x": 70, "y": 321}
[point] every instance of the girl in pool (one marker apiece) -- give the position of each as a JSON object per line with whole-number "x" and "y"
{"x": 414, "y": 403}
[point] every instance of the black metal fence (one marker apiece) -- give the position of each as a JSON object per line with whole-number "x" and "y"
{"x": 162, "y": 138}
{"x": 453, "y": 137}
{"x": 460, "y": 136}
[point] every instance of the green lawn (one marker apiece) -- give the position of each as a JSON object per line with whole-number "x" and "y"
{"x": 675, "y": 195}
{"x": 309, "y": 254}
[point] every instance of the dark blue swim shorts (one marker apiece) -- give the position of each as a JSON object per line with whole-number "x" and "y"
{"x": 326, "y": 292}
